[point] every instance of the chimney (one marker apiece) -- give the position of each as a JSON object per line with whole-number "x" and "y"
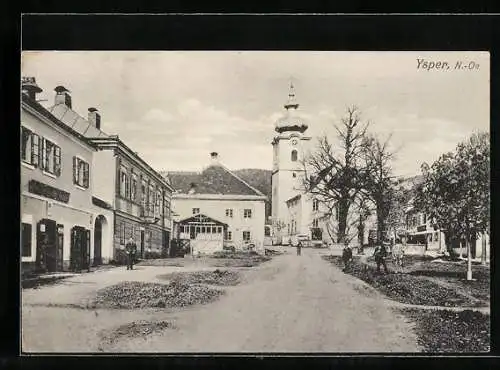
{"x": 95, "y": 118}
{"x": 63, "y": 96}
{"x": 29, "y": 87}
{"x": 215, "y": 158}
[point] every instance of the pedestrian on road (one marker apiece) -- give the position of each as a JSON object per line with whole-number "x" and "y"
{"x": 346, "y": 257}
{"x": 299, "y": 246}
{"x": 130, "y": 250}
{"x": 380, "y": 254}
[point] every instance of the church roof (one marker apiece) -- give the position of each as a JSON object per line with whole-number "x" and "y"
{"x": 72, "y": 119}
{"x": 215, "y": 179}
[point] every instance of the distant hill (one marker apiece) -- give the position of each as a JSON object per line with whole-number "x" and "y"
{"x": 259, "y": 179}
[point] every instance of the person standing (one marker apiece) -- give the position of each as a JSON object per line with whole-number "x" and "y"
{"x": 346, "y": 256}
{"x": 299, "y": 246}
{"x": 380, "y": 254}
{"x": 130, "y": 250}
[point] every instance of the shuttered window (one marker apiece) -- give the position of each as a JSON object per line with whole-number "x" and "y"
{"x": 81, "y": 172}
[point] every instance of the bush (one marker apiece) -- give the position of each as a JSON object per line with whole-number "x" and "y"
{"x": 152, "y": 255}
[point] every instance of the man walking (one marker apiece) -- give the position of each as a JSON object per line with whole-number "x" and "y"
{"x": 347, "y": 257}
{"x": 380, "y": 254}
{"x": 130, "y": 250}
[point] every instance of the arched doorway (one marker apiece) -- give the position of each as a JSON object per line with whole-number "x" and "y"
{"x": 99, "y": 230}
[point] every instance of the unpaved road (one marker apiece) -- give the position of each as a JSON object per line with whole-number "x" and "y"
{"x": 290, "y": 304}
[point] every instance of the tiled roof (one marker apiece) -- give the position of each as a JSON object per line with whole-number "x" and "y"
{"x": 75, "y": 121}
{"x": 215, "y": 179}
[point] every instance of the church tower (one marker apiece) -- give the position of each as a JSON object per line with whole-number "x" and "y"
{"x": 289, "y": 147}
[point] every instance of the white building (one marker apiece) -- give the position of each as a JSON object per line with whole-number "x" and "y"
{"x": 63, "y": 226}
{"x": 138, "y": 196}
{"x": 216, "y": 208}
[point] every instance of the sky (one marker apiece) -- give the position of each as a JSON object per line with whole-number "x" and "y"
{"x": 175, "y": 107}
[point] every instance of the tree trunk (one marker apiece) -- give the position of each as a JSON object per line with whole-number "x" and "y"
{"x": 483, "y": 250}
{"x": 448, "y": 243}
{"x": 380, "y": 225}
{"x": 342, "y": 223}
{"x": 469, "y": 260}
{"x": 473, "y": 239}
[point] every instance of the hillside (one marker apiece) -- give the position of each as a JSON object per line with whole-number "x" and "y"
{"x": 259, "y": 179}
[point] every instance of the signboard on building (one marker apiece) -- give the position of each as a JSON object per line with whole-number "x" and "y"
{"x": 48, "y": 191}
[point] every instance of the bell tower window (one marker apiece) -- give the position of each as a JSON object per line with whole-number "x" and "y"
{"x": 294, "y": 155}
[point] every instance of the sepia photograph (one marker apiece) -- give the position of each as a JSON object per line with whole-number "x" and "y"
{"x": 255, "y": 202}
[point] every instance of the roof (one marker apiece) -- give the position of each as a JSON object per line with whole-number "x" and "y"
{"x": 72, "y": 119}
{"x": 47, "y": 114}
{"x": 215, "y": 179}
{"x": 201, "y": 218}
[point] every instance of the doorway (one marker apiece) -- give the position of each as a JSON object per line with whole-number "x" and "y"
{"x": 80, "y": 249}
{"x": 46, "y": 245}
{"x": 98, "y": 233}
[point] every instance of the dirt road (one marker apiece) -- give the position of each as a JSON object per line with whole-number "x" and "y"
{"x": 290, "y": 304}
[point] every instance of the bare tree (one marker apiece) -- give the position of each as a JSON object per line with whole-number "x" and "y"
{"x": 380, "y": 184}
{"x": 335, "y": 177}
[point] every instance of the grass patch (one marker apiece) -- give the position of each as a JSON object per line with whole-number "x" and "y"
{"x": 133, "y": 330}
{"x": 134, "y": 294}
{"x": 445, "y": 331}
{"x": 407, "y": 288}
{"x": 216, "y": 277}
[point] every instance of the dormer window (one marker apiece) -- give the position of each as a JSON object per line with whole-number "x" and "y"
{"x": 294, "y": 156}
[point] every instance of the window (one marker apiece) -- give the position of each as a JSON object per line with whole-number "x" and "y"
{"x": 247, "y": 213}
{"x": 315, "y": 204}
{"x": 30, "y": 147}
{"x": 26, "y": 240}
{"x": 315, "y": 222}
{"x": 196, "y": 211}
{"x": 229, "y": 235}
{"x": 123, "y": 180}
{"x": 229, "y": 212}
{"x": 294, "y": 174}
{"x": 122, "y": 233}
{"x": 294, "y": 155}
{"x": 133, "y": 194}
{"x": 143, "y": 195}
{"x": 246, "y": 236}
{"x": 51, "y": 157}
{"x": 80, "y": 172}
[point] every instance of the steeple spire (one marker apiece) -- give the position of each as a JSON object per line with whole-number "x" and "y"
{"x": 291, "y": 103}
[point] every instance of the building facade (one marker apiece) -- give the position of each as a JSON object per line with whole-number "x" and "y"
{"x": 141, "y": 198}
{"x": 226, "y": 210}
{"x": 134, "y": 196}
{"x": 58, "y": 214}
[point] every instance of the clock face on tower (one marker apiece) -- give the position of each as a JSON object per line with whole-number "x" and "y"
{"x": 294, "y": 142}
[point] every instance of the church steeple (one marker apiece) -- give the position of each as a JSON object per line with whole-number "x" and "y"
{"x": 291, "y": 121}
{"x": 291, "y": 103}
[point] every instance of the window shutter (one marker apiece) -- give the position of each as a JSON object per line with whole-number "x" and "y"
{"x": 86, "y": 175}
{"x": 57, "y": 160}
{"x": 75, "y": 170}
{"x": 35, "y": 150}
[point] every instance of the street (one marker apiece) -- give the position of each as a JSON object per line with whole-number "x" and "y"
{"x": 289, "y": 304}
